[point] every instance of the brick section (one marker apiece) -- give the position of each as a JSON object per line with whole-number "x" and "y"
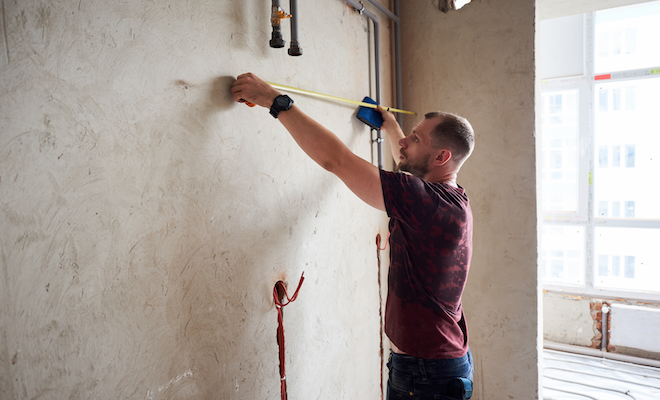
{"x": 595, "y": 308}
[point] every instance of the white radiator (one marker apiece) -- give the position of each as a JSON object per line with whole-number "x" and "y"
{"x": 636, "y": 327}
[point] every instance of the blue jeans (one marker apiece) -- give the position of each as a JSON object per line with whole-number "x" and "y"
{"x": 413, "y": 378}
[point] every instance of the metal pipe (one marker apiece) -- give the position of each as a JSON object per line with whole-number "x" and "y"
{"x": 294, "y": 47}
{"x": 605, "y": 309}
{"x": 397, "y": 61}
{"x": 361, "y": 9}
{"x": 276, "y": 39}
{"x": 385, "y": 11}
{"x": 397, "y": 50}
{"x": 379, "y": 134}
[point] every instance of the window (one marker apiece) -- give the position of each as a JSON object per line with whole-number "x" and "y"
{"x": 599, "y": 154}
{"x": 560, "y": 150}
{"x": 630, "y": 156}
{"x": 616, "y": 266}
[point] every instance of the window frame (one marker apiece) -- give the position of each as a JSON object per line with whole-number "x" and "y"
{"x": 585, "y": 216}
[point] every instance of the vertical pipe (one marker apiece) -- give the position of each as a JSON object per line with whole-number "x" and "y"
{"x": 397, "y": 50}
{"x": 377, "y": 57}
{"x": 379, "y": 134}
{"x": 385, "y": 11}
{"x": 294, "y": 47}
{"x": 605, "y": 309}
{"x": 395, "y": 17}
{"x": 276, "y": 40}
{"x": 360, "y": 7}
{"x": 397, "y": 60}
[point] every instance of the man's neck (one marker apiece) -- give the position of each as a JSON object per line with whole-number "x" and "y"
{"x": 442, "y": 177}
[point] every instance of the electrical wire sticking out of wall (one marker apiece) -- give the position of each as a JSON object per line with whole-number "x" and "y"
{"x": 380, "y": 306}
{"x": 279, "y": 293}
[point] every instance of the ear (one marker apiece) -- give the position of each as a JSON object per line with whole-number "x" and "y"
{"x": 443, "y": 156}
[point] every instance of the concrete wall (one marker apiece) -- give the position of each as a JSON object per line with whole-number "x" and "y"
{"x": 479, "y": 62}
{"x": 569, "y": 320}
{"x": 145, "y": 217}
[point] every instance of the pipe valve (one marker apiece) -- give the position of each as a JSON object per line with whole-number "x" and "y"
{"x": 276, "y": 17}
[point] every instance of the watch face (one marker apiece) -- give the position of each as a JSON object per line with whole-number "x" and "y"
{"x": 283, "y": 102}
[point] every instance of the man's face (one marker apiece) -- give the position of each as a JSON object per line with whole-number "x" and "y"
{"x": 418, "y": 167}
{"x": 415, "y": 153}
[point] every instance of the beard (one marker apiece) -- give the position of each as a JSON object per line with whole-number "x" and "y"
{"x": 418, "y": 168}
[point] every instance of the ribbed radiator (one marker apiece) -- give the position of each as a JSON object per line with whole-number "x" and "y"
{"x": 636, "y": 327}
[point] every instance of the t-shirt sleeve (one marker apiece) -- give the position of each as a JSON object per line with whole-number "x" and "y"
{"x": 406, "y": 197}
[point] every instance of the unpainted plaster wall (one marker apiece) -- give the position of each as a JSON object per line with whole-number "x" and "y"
{"x": 479, "y": 63}
{"x": 568, "y": 320}
{"x": 146, "y": 217}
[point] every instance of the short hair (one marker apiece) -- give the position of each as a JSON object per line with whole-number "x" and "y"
{"x": 453, "y": 132}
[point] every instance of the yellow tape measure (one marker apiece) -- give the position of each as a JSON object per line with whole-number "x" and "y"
{"x": 335, "y": 98}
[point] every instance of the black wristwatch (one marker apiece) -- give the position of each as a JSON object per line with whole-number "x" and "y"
{"x": 281, "y": 103}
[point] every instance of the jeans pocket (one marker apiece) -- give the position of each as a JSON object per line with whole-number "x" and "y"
{"x": 401, "y": 382}
{"x": 456, "y": 389}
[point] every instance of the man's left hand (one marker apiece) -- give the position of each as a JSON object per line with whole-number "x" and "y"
{"x": 250, "y": 88}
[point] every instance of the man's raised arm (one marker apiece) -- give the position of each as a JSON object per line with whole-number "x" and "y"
{"x": 393, "y": 131}
{"x": 323, "y": 146}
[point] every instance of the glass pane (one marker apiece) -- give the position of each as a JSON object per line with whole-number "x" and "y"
{"x": 627, "y": 143}
{"x": 561, "y": 256}
{"x": 627, "y": 259}
{"x": 559, "y": 151}
{"x": 626, "y": 38}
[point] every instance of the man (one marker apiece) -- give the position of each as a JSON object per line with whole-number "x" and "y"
{"x": 430, "y": 236}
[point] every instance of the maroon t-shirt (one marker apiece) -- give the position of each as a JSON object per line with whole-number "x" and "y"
{"x": 430, "y": 252}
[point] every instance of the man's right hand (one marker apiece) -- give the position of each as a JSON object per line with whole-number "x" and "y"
{"x": 393, "y": 130}
{"x": 251, "y": 89}
{"x": 389, "y": 120}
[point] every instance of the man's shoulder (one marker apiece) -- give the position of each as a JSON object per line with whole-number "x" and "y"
{"x": 400, "y": 176}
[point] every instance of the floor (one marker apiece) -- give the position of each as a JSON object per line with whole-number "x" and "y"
{"x": 568, "y": 376}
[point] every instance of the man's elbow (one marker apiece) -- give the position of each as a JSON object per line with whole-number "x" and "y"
{"x": 343, "y": 164}
{"x": 336, "y": 163}
{"x": 330, "y": 165}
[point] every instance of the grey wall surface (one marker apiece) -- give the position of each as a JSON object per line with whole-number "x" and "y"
{"x": 568, "y": 320}
{"x": 145, "y": 217}
{"x": 478, "y": 62}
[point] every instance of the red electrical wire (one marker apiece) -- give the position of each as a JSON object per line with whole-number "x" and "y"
{"x": 380, "y": 307}
{"x": 386, "y": 242}
{"x": 280, "y": 327}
